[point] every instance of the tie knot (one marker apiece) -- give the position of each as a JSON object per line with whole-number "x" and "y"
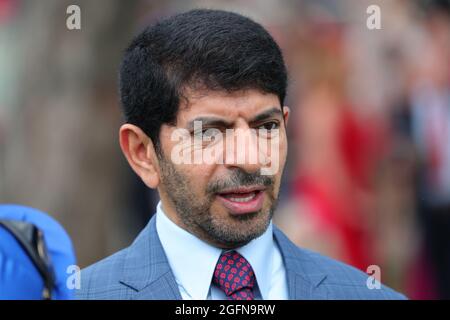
{"x": 234, "y": 275}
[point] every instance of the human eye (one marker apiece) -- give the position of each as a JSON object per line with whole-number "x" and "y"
{"x": 270, "y": 125}
{"x": 206, "y": 133}
{"x": 207, "y": 136}
{"x": 268, "y": 129}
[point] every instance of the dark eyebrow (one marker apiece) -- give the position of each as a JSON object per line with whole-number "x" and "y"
{"x": 276, "y": 111}
{"x": 209, "y": 122}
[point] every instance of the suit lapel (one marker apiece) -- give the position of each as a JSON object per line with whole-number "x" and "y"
{"x": 164, "y": 288}
{"x": 146, "y": 269}
{"x": 303, "y": 275}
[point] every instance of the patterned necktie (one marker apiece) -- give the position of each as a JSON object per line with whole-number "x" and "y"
{"x": 234, "y": 276}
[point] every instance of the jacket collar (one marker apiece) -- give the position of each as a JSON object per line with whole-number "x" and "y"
{"x": 147, "y": 271}
{"x": 304, "y": 275}
{"x": 146, "y": 268}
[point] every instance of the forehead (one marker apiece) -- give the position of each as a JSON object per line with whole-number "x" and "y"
{"x": 239, "y": 104}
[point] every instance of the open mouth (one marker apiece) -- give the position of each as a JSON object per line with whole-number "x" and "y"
{"x": 242, "y": 200}
{"x": 236, "y": 197}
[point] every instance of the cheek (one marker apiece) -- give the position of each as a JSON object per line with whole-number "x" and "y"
{"x": 198, "y": 175}
{"x": 282, "y": 161}
{"x": 283, "y": 149}
{"x": 280, "y": 157}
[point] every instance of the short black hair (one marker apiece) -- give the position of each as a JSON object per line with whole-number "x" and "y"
{"x": 213, "y": 49}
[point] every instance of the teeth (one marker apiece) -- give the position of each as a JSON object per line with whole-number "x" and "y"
{"x": 240, "y": 199}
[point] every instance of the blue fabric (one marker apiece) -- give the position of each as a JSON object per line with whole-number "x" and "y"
{"x": 19, "y": 278}
{"x": 16, "y": 269}
{"x": 142, "y": 271}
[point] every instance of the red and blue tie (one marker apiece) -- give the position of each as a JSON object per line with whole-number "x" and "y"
{"x": 234, "y": 276}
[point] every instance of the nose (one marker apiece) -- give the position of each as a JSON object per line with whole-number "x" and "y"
{"x": 241, "y": 150}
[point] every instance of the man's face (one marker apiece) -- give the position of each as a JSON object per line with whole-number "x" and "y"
{"x": 229, "y": 199}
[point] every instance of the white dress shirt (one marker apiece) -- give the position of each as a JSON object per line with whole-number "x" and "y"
{"x": 193, "y": 262}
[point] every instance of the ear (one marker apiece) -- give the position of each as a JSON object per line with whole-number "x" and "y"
{"x": 140, "y": 154}
{"x": 286, "y": 113}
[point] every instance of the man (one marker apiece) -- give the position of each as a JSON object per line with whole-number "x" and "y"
{"x": 199, "y": 91}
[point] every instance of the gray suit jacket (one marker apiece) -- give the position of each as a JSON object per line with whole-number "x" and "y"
{"x": 142, "y": 271}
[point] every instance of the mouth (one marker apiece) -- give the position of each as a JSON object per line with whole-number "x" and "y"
{"x": 242, "y": 200}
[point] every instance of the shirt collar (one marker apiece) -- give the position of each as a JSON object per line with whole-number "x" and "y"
{"x": 193, "y": 261}
{"x": 259, "y": 253}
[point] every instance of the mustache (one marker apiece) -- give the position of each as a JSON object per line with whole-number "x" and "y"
{"x": 240, "y": 178}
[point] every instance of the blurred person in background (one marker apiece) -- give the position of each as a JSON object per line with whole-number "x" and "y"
{"x": 351, "y": 194}
{"x": 336, "y": 155}
{"x": 426, "y": 114}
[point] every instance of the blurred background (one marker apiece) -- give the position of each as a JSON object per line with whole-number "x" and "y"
{"x": 368, "y": 175}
